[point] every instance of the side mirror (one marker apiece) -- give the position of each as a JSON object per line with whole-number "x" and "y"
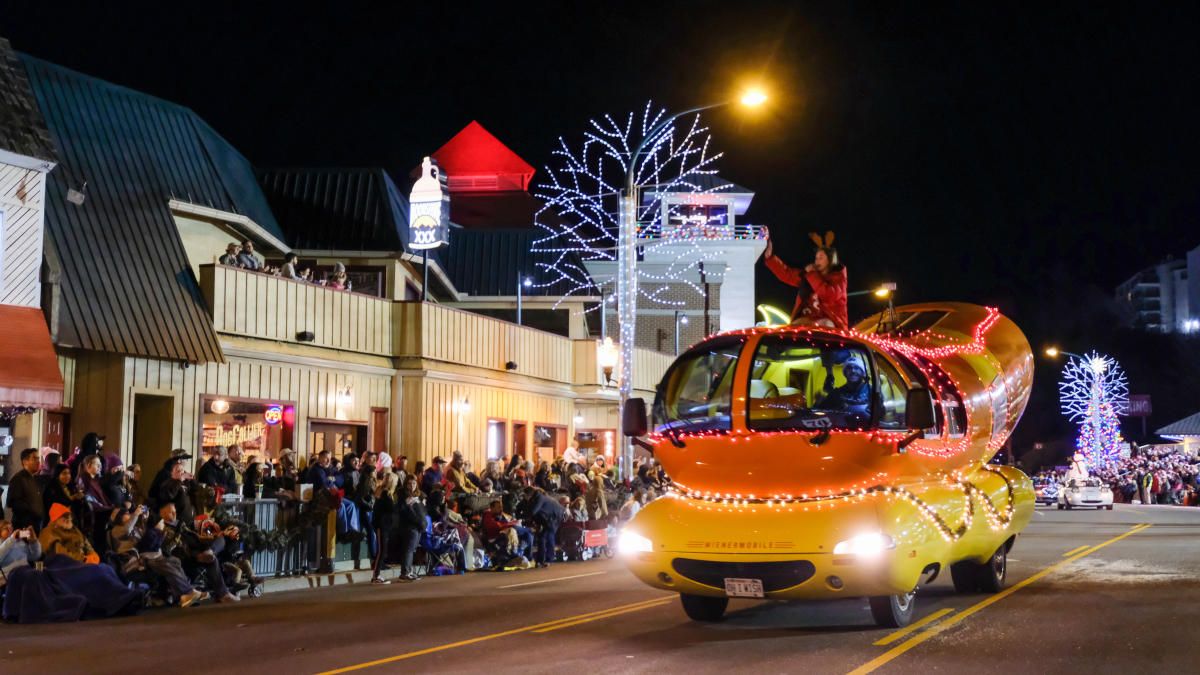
{"x": 633, "y": 418}
{"x": 918, "y": 409}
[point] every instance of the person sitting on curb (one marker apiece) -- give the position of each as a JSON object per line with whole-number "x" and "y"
{"x": 18, "y": 548}
{"x": 139, "y": 547}
{"x": 196, "y": 548}
{"x": 61, "y": 537}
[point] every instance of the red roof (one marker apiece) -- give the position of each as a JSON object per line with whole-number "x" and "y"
{"x": 476, "y": 161}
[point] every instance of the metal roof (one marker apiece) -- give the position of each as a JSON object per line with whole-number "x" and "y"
{"x": 338, "y": 209}
{"x": 127, "y": 285}
{"x": 22, "y": 129}
{"x": 1188, "y": 426}
{"x": 487, "y": 263}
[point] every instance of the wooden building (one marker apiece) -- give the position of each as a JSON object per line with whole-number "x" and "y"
{"x": 160, "y": 346}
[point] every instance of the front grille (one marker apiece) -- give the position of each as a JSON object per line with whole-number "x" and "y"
{"x": 774, "y": 575}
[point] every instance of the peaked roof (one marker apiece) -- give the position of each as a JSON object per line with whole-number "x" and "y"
{"x": 507, "y": 253}
{"x": 127, "y": 285}
{"x": 338, "y": 209}
{"x": 476, "y": 152}
{"x": 1188, "y": 426}
{"x": 22, "y": 129}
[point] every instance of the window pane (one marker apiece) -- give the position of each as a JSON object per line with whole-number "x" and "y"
{"x": 799, "y": 383}
{"x": 697, "y": 391}
{"x": 893, "y": 396}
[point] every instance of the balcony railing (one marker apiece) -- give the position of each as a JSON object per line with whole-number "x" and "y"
{"x": 703, "y": 232}
{"x": 253, "y": 304}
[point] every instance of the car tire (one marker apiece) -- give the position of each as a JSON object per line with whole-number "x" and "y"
{"x": 893, "y": 611}
{"x": 1061, "y": 507}
{"x": 703, "y": 608}
{"x": 1109, "y": 507}
{"x": 988, "y": 577}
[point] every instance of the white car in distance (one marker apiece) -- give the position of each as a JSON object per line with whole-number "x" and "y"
{"x": 1085, "y": 493}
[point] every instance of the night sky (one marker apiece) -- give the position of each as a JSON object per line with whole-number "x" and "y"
{"x": 1026, "y": 157}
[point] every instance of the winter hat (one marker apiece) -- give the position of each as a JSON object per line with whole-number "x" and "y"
{"x": 58, "y": 511}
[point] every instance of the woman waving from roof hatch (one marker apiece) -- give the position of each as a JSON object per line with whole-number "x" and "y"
{"x": 820, "y": 286}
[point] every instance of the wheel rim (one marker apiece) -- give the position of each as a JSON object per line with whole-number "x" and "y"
{"x": 999, "y": 563}
{"x": 904, "y": 601}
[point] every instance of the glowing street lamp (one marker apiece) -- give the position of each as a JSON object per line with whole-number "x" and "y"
{"x": 607, "y": 356}
{"x": 627, "y": 253}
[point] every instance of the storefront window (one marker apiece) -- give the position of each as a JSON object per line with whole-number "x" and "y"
{"x": 261, "y": 428}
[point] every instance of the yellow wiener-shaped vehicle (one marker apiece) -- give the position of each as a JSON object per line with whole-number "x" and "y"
{"x": 813, "y": 463}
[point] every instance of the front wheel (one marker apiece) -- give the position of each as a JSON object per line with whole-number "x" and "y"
{"x": 893, "y": 611}
{"x": 1060, "y": 506}
{"x": 703, "y": 608}
{"x": 1109, "y": 507}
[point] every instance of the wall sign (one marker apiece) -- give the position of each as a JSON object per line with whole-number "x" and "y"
{"x": 429, "y": 209}
{"x": 273, "y": 414}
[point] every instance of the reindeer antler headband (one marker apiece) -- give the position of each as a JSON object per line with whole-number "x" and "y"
{"x": 826, "y": 243}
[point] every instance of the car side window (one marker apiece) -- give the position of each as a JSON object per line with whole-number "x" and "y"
{"x": 893, "y": 396}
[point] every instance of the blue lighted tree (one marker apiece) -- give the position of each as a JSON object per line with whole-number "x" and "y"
{"x": 1093, "y": 392}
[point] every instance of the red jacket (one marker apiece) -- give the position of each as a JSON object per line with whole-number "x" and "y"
{"x": 492, "y": 526}
{"x": 828, "y": 299}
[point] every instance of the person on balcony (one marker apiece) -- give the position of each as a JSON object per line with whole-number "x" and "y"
{"x": 820, "y": 286}
{"x": 288, "y": 271}
{"x": 246, "y": 258}
{"x": 230, "y": 257}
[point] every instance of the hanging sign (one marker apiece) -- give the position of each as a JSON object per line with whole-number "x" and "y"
{"x": 273, "y": 415}
{"x": 429, "y": 209}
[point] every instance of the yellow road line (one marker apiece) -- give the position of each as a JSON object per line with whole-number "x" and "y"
{"x": 913, "y": 627}
{"x": 917, "y": 639}
{"x": 576, "y": 622}
{"x": 1073, "y": 551}
{"x": 482, "y": 638}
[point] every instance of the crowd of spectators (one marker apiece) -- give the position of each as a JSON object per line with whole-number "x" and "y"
{"x": 243, "y": 256}
{"x": 125, "y": 544}
{"x": 1150, "y": 475}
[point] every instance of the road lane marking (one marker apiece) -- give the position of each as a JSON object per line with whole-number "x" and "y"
{"x": 493, "y": 636}
{"x": 546, "y": 581}
{"x": 1073, "y": 551}
{"x": 913, "y": 627}
{"x": 664, "y": 601}
{"x": 917, "y": 639}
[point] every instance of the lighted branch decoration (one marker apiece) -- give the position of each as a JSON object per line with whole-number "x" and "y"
{"x": 581, "y": 201}
{"x": 1093, "y": 392}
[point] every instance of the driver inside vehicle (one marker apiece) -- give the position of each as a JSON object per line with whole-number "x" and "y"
{"x": 853, "y": 396}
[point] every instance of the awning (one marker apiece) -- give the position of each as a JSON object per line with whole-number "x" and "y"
{"x": 29, "y": 375}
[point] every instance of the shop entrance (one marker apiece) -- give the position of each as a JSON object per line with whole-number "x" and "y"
{"x": 57, "y": 433}
{"x": 153, "y": 418}
{"x": 518, "y": 440}
{"x": 550, "y": 441}
{"x": 339, "y": 438}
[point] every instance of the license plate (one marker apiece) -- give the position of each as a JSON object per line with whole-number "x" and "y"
{"x": 744, "y": 588}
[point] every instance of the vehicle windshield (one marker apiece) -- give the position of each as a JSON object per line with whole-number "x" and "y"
{"x": 697, "y": 392}
{"x": 797, "y": 382}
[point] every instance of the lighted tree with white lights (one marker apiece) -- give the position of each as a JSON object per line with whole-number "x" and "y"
{"x": 1093, "y": 392}
{"x": 582, "y": 196}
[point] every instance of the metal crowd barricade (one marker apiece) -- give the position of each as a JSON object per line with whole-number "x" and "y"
{"x": 273, "y": 515}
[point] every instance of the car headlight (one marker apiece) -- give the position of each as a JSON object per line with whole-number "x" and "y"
{"x": 867, "y": 545}
{"x": 631, "y": 542}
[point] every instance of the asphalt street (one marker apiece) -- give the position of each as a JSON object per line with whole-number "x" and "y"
{"x": 1089, "y": 591}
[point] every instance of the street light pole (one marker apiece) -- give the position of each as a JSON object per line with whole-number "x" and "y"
{"x": 627, "y": 230}
{"x": 680, "y": 318}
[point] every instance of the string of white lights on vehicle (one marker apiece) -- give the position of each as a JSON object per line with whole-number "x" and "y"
{"x": 997, "y": 519}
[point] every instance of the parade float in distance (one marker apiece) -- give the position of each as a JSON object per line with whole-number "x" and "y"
{"x": 815, "y": 463}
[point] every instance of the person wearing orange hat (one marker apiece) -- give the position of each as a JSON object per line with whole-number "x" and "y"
{"x": 63, "y": 538}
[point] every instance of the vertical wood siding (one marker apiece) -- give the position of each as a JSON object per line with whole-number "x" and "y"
{"x": 262, "y": 306}
{"x": 22, "y": 195}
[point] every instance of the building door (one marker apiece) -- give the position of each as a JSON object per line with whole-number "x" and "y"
{"x": 339, "y": 439}
{"x": 153, "y": 419}
{"x": 518, "y": 440}
{"x": 379, "y": 430}
{"x": 58, "y": 432}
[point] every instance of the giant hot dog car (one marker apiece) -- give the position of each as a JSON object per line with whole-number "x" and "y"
{"x": 813, "y": 463}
